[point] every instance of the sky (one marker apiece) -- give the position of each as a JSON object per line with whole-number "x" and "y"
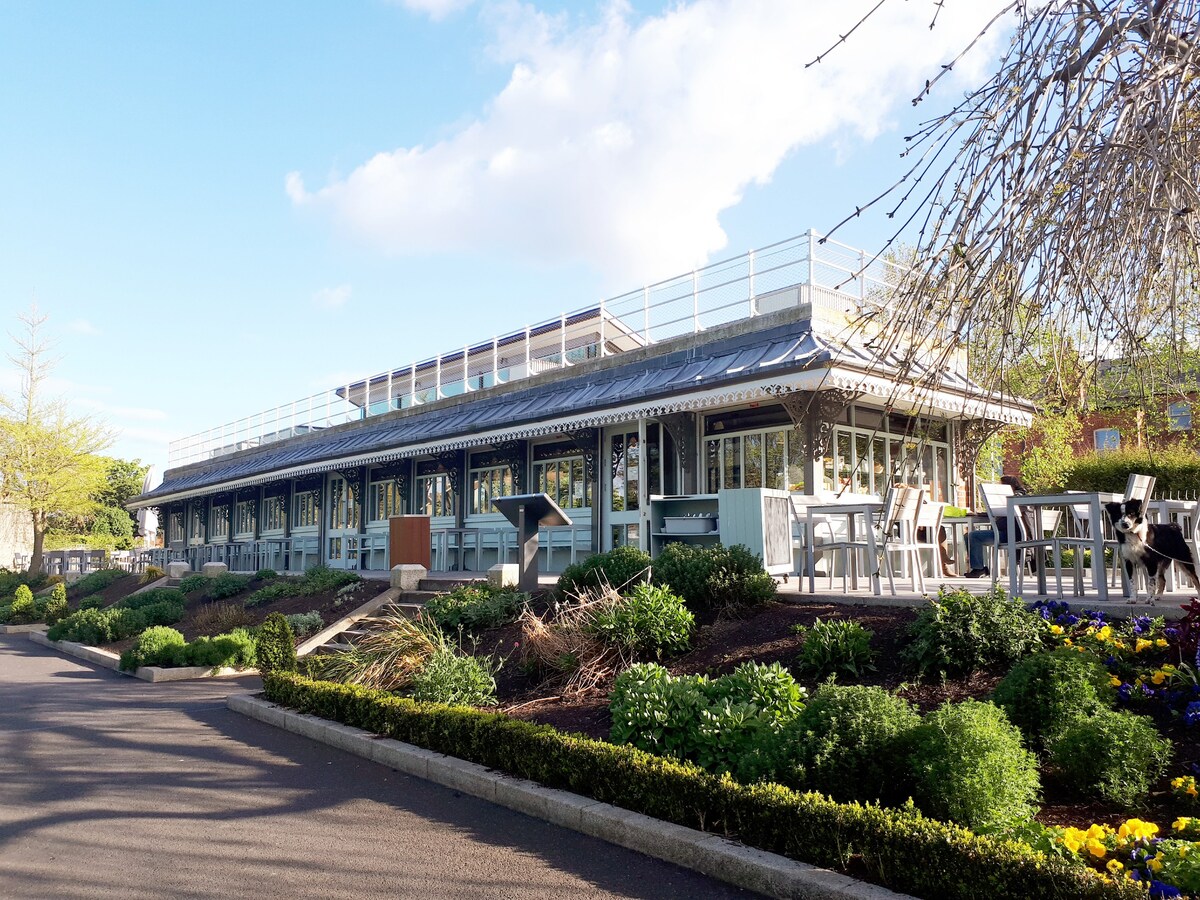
{"x": 226, "y": 206}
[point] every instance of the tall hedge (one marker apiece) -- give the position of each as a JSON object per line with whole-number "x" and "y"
{"x": 1176, "y": 470}
{"x": 898, "y": 848}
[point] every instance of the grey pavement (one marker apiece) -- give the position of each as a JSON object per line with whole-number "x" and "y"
{"x": 113, "y": 787}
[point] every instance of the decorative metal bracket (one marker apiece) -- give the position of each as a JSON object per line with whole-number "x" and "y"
{"x": 400, "y": 474}
{"x": 681, "y": 427}
{"x": 353, "y": 479}
{"x": 585, "y": 440}
{"x": 969, "y": 438}
{"x": 451, "y": 462}
{"x": 514, "y": 454}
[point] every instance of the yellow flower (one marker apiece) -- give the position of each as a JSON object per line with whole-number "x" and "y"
{"x": 1056, "y": 629}
{"x": 1190, "y": 790}
{"x": 1114, "y": 866}
{"x": 1161, "y": 642}
{"x": 1137, "y": 830}
{"x": 1154, "y": 864}
{"x": 1115, "y": 681}
{"x": 1104, "y": 633}
{"x": 1158, "y": 677}
{"x": 1068, "y": 642}
{"x": 1141, "y": 645}
{"x": 1183, "y": 850}
{"x": 1073, "y": 839}
{"x": 1182, "y": 822}
{"x": 1177, "y": 782}
{"x": 1096, "y": 848}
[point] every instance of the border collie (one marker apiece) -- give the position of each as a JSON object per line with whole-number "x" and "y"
{"x": 1153, "y": 547}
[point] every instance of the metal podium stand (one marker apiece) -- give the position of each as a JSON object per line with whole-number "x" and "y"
{"x": 527, "y": 512}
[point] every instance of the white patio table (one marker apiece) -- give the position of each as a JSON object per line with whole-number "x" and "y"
{"x": 852, "y": 512}
{"x": 1035, "y": 503}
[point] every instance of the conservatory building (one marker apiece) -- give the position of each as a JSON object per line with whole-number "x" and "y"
{"x": 761, "y": 372}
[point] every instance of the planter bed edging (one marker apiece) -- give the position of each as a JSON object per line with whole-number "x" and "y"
{"x": 154, "y": 674}
{"x": 22, "y": 629}
{"x": 708, "y": 854}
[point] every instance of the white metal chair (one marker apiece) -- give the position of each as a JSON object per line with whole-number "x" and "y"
{"x": 929, "y": 521}
{"x": 867, "y": 545}
{"x": 900, "y": 537}
{"x": 822, "y": 530}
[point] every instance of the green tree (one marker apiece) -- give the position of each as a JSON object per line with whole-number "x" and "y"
{"x": 48, "y": 458}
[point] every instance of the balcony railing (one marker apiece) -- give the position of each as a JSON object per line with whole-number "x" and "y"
{"x": 827, "y": 277}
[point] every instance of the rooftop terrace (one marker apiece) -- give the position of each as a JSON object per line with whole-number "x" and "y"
{"x": 834, "y": 281}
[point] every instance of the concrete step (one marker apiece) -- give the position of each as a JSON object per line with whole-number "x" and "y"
{"x": 418, "y": 597}
{"x": 449, "y": 583}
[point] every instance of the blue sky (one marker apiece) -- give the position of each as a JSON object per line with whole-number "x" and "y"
{"x": 227, "y": 206}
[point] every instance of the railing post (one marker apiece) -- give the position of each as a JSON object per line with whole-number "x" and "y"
{"x": 495, "y": 360}
{"x": 812, "y": 260}
{"x": 437, "y": 379}
{"x": 646, "y": 314}
{"x": 562, "y": 340}
{"x": 862, "y": 276}
{"x": 466, "y": 383}
{"x": 527, "y": 353}
{"x": 695, "y": 303}
{"x": 603, "y": 351}
{"x": 348, "y": 403}
{"x": 389, "y": 391}
{"x": 750, "y": 281}
{"x": 412, "y": 385}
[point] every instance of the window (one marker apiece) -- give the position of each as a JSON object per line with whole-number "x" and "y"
{"x": 385, "y": 501}
{"x": 1107, "y": 439}
{"x": 196, "y": 525}
{"x": 1179, "y": 416}
{"x": 175, "y": 527}
{"x": 304, "y": 510}
{"x": 564, "y": 480}
{"x": 434, "y": 497}
{"x": 867, "y": 461}
{"x": 244, "y": 517}
{"x": 274, "y": 509}
{"x": 770, "y": 458}
{"x": 487, "y": 484}
{"x": 218, "y": 523}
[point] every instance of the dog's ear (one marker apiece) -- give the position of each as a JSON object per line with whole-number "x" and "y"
{"x": 1134, "y": 508}
{"x": 1114, "y": 510}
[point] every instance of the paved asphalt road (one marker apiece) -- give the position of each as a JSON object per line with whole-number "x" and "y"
{"x": 113, "y": 787}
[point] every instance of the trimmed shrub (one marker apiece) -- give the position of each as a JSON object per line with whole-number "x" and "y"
{"x": 266, "y": 575}
{"x": 715, "y": 723}
{"x": 151, "y": 597}
{"x": 91, "y": 603}
{"x": 454, "y": 678}
{"x": 650, "y": 620}
{"x": 276, "y": 590}
{"x": 56, "y": 607}
{"x": 10, "y": 579}
{"x": 836, "y": 645}
{"x": 319, "y": 579}
{"x": 899, "y": 848}
{"x": 475, "y": 608}
{"x": 1046, "y": 692}
{"x": 845, "y": 743}
{"x": 23, "y": 609}
{"x": 1113, "y": 756}
{"x": 154, "y": 647}
{"x": 236, "y": 649}
{"x": 618, "y": 569}
{"x": 1176, "y": 469}
{"x": 969, "y": 765}
{"x": 192, "y": 583}
{"x": 714, "y": 578}
{"x": 226, "y": 585}
{"x": 960, "y": 632}
{"x": 94, "y": 582}
{"x": 276, "y": 645}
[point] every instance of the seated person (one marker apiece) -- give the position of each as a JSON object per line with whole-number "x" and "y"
{"x": 980, "y": 539}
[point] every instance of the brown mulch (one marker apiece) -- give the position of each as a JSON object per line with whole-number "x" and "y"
{"x": 122, "y": 587}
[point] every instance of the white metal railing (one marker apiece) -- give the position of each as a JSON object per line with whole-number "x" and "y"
{"x": 796, "y": 272}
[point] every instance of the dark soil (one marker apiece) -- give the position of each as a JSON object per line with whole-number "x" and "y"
{"x": 122, "y": 587}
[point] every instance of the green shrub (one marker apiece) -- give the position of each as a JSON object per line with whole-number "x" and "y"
{"x": 236, "y": 649}
{"x": 152, "y": 573}
{"x": 715, "y": 723}
{"x": 156, "y": 646}
{"x": 899, "y": 848}
{"x": 303, "y": 624}
{"x": 266, "y": 575}
{"x": 454, "y": 678}
{"x": 969, "y": 765}
{"x": 91, "y": 603}
{"x": 845, "y": 743}
{"x": 10, "y": 579}
{"x": 23, "y": 609}
{"x": 319, "y": 579}
{"x": 94, "y": 582}
{"x": 226, "y": 585}
{"x": 103, "y": 626}
{"x": 714, "y": 578}
{"x": 277, "y": 645}
{"x": 151, "y": 597}
{"x": 836, "y": 645}
{"x": 475, "y": 608}
{"x": 1046, "y": 692}
{"x": 960, "y": 632}
{"x": 649, "y": 620}
{"x": 1112, "y": 756}
{"x": 192, "y": 583}
{"x": 56, "y": 607}
{"x": 276, "y": 590}
{"x": 618, "y": 569}
{"x": 1176, "y": 470}
{"x": 5, "y": 613}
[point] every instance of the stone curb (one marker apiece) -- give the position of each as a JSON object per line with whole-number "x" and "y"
{"x": 22, "y": 629}
{"x": 708, "y": 854}
{"x": 112, "y": 661}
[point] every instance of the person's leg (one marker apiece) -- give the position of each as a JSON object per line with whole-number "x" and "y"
{"x": 977, "y": 541}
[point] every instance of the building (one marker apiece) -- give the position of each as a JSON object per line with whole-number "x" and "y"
{"x": 757, "y": 371}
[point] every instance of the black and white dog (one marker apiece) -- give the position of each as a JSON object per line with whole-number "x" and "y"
{"x": 1153, "y": 547}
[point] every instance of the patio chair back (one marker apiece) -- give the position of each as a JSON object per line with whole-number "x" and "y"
{"x": 902, "y": 521}
{"x": 1140, "y": 487}
{"x": 930, "y": 515}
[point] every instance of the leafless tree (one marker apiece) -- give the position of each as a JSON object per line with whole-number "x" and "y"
{"x": 1065, "y": 189}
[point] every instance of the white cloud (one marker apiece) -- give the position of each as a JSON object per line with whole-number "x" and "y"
{"x": 137, "y": 413}
{"x": 435, "y": 9}
{"x": 332, "y": 298}
{"x": 620, "y": 142}
{"x": 83, "y": 326}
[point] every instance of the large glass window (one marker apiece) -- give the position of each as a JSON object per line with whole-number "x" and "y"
{"x": 487, "y": 484}
{"x": 175, "y": 527}
{"x": 771, "y": 458}
{"x": 244, "y": 516}
{"x": 218, "y": 523}
{"x": 274, "y": 510}
{"x": 196, "y": 525}
{"x": 343, "y": 506}
{"x": 564, "y": 480}
{"x": 864, "y": 461}
{"x": 434, "y": 497}
{"x": 304, "y": 510}
{"x": 385, "y": 501}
